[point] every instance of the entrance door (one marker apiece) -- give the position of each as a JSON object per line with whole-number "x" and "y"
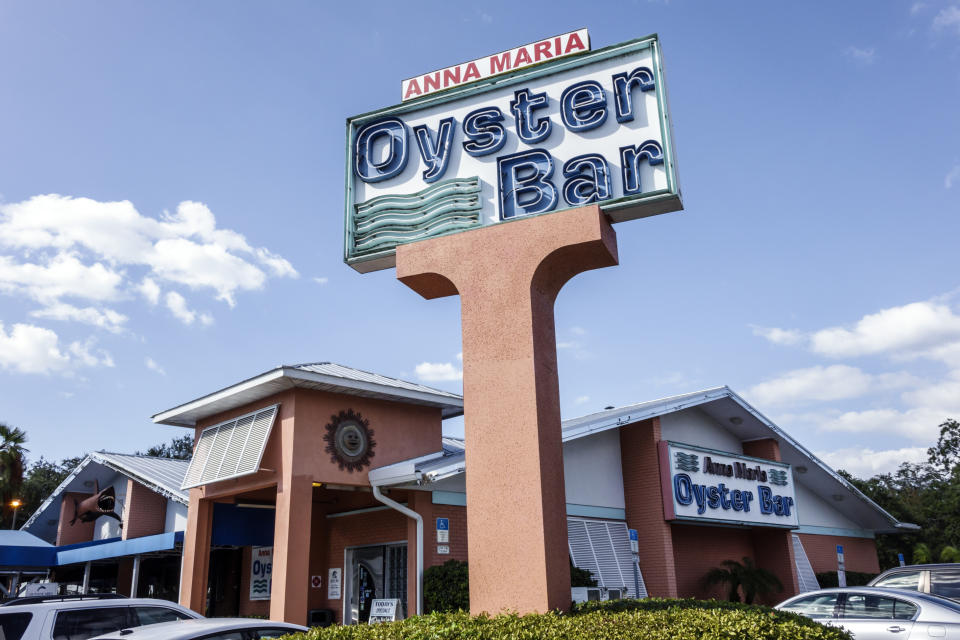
{"x": 378, "y": 571}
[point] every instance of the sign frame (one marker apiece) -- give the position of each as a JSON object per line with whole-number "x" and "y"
{"x": 666, "y": 486}
{"x": 268, "y": 574}
{"x": 644, "y": 204}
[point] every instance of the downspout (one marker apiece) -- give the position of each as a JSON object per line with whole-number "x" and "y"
{"x": 410, "y": 513}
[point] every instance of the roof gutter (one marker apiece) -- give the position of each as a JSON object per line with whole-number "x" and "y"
{"x": 410, "y": 513}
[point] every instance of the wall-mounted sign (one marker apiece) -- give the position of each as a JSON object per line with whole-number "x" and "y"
{"x": 568, "y": 132}
{"x": 443, "y": 549}
{"x": 497, "y": 64}
{"x": 316, "y": 582}
{"x": 333, "y": 583}
{"x": 705, "y": 485}
{"x": 443, "y": 529}
{"x": 383, "y": 610}
{"x": 261, "y": 573}
{"x": 841, "y": 567}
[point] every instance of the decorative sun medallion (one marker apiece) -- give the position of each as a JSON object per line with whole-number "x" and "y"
{"x": 350, "y": 440}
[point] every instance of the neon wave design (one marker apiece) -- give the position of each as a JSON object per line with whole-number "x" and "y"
{"x": 384, "y": 222}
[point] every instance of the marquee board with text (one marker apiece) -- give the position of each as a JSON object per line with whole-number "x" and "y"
{"x": 545, "y": 127}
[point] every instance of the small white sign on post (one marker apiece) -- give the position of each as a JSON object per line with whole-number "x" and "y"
{"x": 841, "y": 566}
{"x": 333, "y": 584}
{"x": 40, "y": 589}
{"x": 261, "y": 573}
{"x": 384, "y": 610}
{"x": 443, "y": 549}
{"x": 443, "y": 530}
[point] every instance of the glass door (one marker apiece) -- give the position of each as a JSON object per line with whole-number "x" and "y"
{"x": 377, "y": 571}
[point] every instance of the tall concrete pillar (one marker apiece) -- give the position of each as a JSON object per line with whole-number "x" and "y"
{"x": 196, "y": 553}
{"x": 291, "y": 550}
{"x": 643, "y": 499}
{"x": 773, "y": 548}
{"x": 508, "y": 277}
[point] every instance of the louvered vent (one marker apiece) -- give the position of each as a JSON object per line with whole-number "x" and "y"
{"x": 603, "y": 548}
{"x": 230, "y": 449}
{"x": 806, "y": 578}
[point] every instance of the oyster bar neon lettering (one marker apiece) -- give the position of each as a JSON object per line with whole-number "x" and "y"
{"x": 526, "y": 181}
{"x": 685, "y": 491}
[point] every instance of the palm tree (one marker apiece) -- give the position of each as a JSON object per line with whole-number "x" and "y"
{"x": 11, "y": 461}
{"x": 745, "y": 576}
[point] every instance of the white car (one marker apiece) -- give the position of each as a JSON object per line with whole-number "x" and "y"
{"x": 872, "y": 613}
{"x": 82, "y": 617}
{"x": 208, "y": 629}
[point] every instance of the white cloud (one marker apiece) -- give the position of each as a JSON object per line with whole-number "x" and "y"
{"x": 578, "y": 331}
{"x": 819, "y": 384}
{"x": 916, "y": 7}
{"x": 948, "y": 18}
{"x": 63, "y": 247}
{"x": 865, "y": 463}
{"x": 778, "y": 336}
{"x": 912, "y": 327}
{"x": 177, "y": 305}
{"x": 28, "y": 348}
{"x": 153, "y": 366}
{"x": 108, "y": 319}
{"x": 864, "y": 56}
{"x": 63, "y": 276}
{"x": 952, "y": 177}
{"x": 581, "y": 400}
{"x": 569, "y": 344}
{"x": 321, "y": 280}
{"x": 438, "y": 372}
{"x": 149, "y": 290}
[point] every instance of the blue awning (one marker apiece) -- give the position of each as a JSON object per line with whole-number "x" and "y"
{"x": 116, "y": 548}
{"x": 22, "y": 553}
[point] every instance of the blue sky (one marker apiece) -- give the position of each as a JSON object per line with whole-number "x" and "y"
{"x": 171, "y": 194}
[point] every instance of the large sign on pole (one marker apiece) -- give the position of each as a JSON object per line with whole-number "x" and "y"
{"x": 591, "y": 127}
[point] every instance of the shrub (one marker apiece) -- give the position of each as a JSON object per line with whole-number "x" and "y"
{"x": 854, "y": 579}
{"x": 743, "y": 576}
{"x": 652, "y": 619}
{"x": 581, "y": 577}
{"x": 949, "y": 554}
{"x": 446, "y": 587}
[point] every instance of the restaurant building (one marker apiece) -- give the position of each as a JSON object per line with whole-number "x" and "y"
{"x": 315, "y": 488}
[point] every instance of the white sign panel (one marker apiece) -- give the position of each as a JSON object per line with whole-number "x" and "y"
{"x": 383, "y": 610}
{"x": 261, "y": 573}
{"x": 589, "y": 129}
{"x": 705, "y": 485}
{"x": 499, "y": 63}
{"x": 443, "y": 549}
{"x": 40, "y": 589}
{"x": 333, "y": 584}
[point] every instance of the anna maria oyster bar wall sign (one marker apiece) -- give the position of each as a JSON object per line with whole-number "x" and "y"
{"x": 572, "y": 129}
{"x": 711, "y": 486}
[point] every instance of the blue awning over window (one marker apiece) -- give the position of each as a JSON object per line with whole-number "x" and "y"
{"x": 25, "y": 553}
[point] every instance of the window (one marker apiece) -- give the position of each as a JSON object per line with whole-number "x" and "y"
{"x": 12, "y": 625}
{"x": 271, "y": 632}
{"x": 819, "y": 606}
{"x": 226, "y": 635}
{"x": 862, "y": 605}
{"x": 153, "y": 615}
{"x": 80, "y": 624}
{"x": 901, "y": 580}
{"x": 945, "y": 582}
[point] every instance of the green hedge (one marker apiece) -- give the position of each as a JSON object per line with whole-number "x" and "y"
{"x": 446, "y": 587}
{"x": 652, "y": 619}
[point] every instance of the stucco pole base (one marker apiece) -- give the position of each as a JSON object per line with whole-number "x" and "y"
{"x": 508, "y": 277}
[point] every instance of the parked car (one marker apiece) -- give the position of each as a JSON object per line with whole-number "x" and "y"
{"x": 208, "y": 629}
{"x": 938, "y": 579}
{"x": 872, "y": 613}
{"x": 82, "y": 617}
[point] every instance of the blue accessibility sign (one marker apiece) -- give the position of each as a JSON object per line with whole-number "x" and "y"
{"x": 443, "y": 524}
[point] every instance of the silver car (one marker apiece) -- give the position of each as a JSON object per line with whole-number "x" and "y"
{"x": 208, "y": 629}
{"x": 871, "y": 613}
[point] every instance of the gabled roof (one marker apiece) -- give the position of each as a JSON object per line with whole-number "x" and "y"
{"x": 721, "y": 404}
{"x": 320, "y": 376}
{"x": 161, "y": 475}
